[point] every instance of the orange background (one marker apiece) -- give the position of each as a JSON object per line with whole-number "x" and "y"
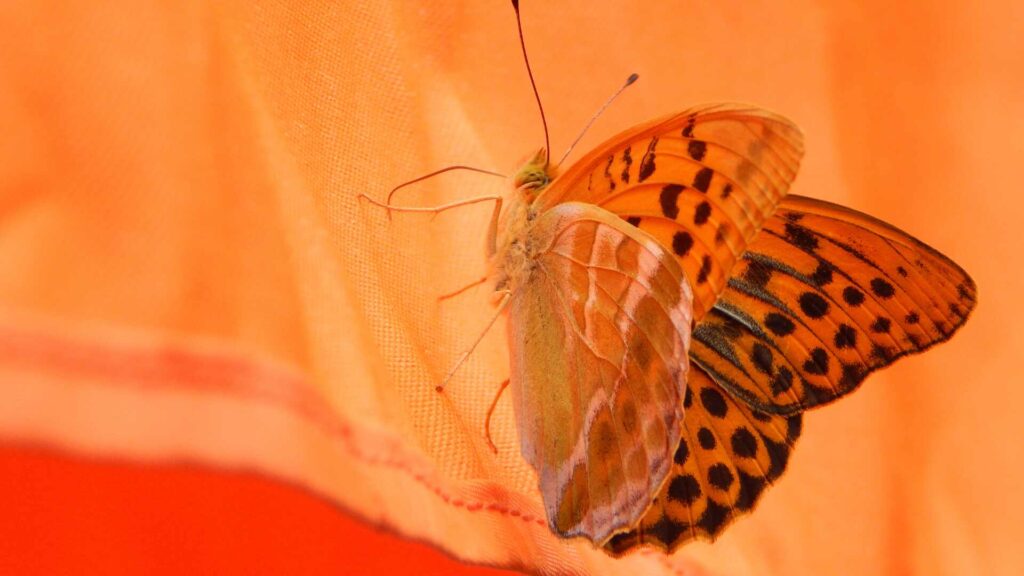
{"x": 182, "y": 177}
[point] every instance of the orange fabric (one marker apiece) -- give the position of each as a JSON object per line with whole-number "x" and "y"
{"x": 187, "y": 275}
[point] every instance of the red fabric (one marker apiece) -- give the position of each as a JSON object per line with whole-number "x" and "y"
{"x": 65, "y": 514}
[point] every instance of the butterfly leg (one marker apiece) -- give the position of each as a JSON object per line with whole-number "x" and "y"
{"x": 506, "y": 298}
{"x": 435, "y": 210}
{"x": 492, "y": 229}
{"x": 442, "y": 171}
{"x": 490, "y": 411}
{"x": 472, "y": 284}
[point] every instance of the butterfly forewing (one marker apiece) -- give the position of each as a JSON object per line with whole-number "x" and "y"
{"x": 727, "y": 456}
{"x": 599, "y": 333}
{"x": 824, "y": 296}
{"x": 701, "y": 182}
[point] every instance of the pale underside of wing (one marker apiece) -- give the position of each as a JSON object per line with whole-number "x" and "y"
{"x": 599, "y": 334}
{"x": 701, "y": 182}
{"x": 824, "y": 296}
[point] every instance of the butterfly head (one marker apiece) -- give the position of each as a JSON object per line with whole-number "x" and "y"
{"x": 535, "y": 174}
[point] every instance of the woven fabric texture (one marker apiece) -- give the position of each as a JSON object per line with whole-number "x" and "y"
{"x": 187, "y": 274}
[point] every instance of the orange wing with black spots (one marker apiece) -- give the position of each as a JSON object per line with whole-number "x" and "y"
{"x": 701, "y": 182}
{"x": 727, "y": 456}
{"x": 824, "y": 296}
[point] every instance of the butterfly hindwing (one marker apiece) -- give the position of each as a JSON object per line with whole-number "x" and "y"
{"x": 701, "y": 182}
{"x": 824, "y": 296}
{"x": 727, "y": 456}
{"x": 599, "y": 334}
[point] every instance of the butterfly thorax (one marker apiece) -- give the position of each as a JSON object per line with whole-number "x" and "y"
{"x": 513, "y": 255}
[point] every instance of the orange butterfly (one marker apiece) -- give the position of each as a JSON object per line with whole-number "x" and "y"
{"x": 682, "y": 229}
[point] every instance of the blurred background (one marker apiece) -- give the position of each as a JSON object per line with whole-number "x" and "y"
{"x": 213, "y": 358}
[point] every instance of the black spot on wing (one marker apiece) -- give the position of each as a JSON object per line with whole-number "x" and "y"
{"x": 721, "y": 233}
{"x": 667, "y": 530}
{"x": 817, "y": 363}
{"x": 627, "y": 160}
{"x": 882, "y": 288}
{"x": 801, "y": 237}
{"x": 714, "y": 402}
{"x": 669, "y": 200}
{"x": 682, "y": 452}
{"x": 647, "y": 165}
{"x": 608, "y": 173}
{"x": 714, "y": 517}
{"x": 744, "y": 444}
{"x": 779, "y": 324}
{"x": 853, "y": 296}
{"x": 881, "y": 325}
{"x": 963, "y": 292}
{"x": 757, "y": 274}
{"x": 778, "y": 457}
{"x": 852, "y": 375}
{"x": 681, "y": 243}
{"x": 705, "y": 269}
{"x": 720, "y": 476}
{"x": 846, "y": 336}
{"x": 782, "y": 381}
{"x": 688, "y": 129}
{"x": 702, "y": 213}
{"x": 822, "y": 274}
{"x": 706, "y": 439}
{"x": 761, "y": 356}
{"x": 684, "y": 489}
{"x": 750, "y": 490}
{"x": 702, "y": 180}
{"x": 813, "y": 305}
{"x": 697, "y": 149}
{"x": 794, "y": 425}
{"x": 882, "y": 354}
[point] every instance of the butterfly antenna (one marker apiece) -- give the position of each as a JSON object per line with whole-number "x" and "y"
{"x": 632, "y": 78}
{"x": 529, "y": 71}
{"x": 441, "y": 171}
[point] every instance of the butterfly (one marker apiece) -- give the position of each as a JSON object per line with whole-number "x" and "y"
{"x": 672, "y": 311}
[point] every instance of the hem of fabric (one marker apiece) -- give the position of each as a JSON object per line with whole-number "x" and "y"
{"x": 138, "y": 369}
